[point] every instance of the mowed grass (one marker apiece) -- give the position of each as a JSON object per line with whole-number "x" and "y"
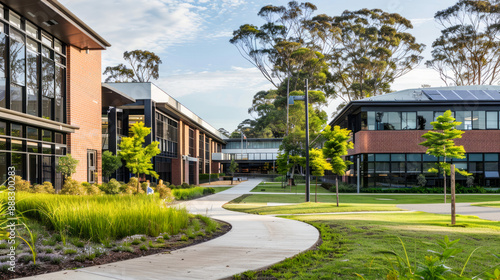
{"x": 103, "y": 218}
{"x": 488, "y": 204}
{"x": 353, "y": 244}
{"x": 276, "y": 188}
{"x": 221, "y": 189}
{"x": 368, "y": 198}
{"x": 307, "y": 208}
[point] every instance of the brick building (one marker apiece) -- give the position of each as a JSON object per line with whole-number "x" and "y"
{"x": 50, "y": 91}
{"x": 387, "y": 130}
{"x": 186, "y": 141}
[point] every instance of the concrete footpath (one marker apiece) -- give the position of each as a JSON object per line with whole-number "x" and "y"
{"x": 254, "y": 242}
{"x": 486, "y": 213}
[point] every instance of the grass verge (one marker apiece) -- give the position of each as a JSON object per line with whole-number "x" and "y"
{"x": 307, "y": 208}
{"x": 368, "y": 198}
{"x": 276, "y": 188}
{"x": 353, "y": 244}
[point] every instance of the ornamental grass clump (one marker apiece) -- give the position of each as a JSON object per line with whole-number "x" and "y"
{"x": 186, "y": 194}
{"x": 100, "y": 218}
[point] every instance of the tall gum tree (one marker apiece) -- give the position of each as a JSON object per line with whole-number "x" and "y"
{"x": 468, "y": 50}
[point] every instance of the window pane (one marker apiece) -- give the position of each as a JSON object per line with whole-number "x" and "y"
{"x": 16, "y": 145}
{"x": 397, "y": 157}
{"x": 59, "y": 90}
{"x": 46, "y": 39}
{"x": 414, "y": 157}
{"x": 437, "y": 114}
{"x": 3, "y": 144}
{"x": 490, "y": 157}
{"x": 478, "y": 120}
{"x": 32, "y": 147}
{"x": 427, "y": 157}
{"x": 31, "y": 30}
{"x": 460, "y": 118}
{"x": 424, "y": 119}
{"x": 15, "y": 20}
{"x": 33, "y": 60}
{"x": 16, "y": 130}
{"x": 59, "y": 138}
{"x": 47, "y": 149}
{"x": 364, "y": 123}
{"x": 58, "y": 46}
{"x": 3, "y": 128}
{"x": 381, "y": 157}
{"x": 32, "y": 133}
{"x": 18, "y": 162}
{"x": 3, "y": 66}
{"x": 467, "y": 120}
{"x": 46, "y": 136}
{"x": 492, "y": 120}
{"x": 491, "y": 166}
{"x": 17, "y": 57}
{"x": 371, "y": 120}
{"x": 409, "y": 120}
{"x": 16, "y": 98}
{"x": 475, "y": 157}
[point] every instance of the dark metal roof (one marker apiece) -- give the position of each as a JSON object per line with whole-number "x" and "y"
{"x": 68, "y": 28}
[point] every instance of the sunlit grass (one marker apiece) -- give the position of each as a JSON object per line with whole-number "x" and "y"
{"x": 101, "y": 218}
{"x": 309, "y": 207}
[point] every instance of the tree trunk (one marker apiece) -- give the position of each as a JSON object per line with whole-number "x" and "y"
{"x": 316, "y": 191}
{"x": 337, "y": 189}
{"x": 138, "y": 182}
{"x": 444, "y": 175}
{"x": 452, "y": 186}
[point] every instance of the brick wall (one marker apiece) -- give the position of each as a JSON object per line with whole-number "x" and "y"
{"x": 407, "y": 141}
{"x": 84, "y": 107}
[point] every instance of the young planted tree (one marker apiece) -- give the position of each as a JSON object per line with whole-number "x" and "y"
{"x": 318, "y": 165}
{"x": 145, "y": 65}
{"x": 232, "y": 168}
{"x": 336, "y": 145}
{"x": 110, "y": 163}
{"x": 67, "y": 165}
{"x": 137, "y": 156}
{"x": 440, "y": 144}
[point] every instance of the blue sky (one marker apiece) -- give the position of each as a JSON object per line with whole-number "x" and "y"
{"x": 201, "y": 68}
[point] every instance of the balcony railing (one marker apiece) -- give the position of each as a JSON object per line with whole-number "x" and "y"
{"x": 244, "y": 156}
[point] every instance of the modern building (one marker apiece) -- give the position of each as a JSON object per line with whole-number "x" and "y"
{"x": 257, "y": 156}
{"x": 50, "y": 91}
{"x": 387, "y": 130}
{"x": 186, "y": 141}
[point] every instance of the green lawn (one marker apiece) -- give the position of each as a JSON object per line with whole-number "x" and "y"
{"x": 221, "y": 189}
{"x": 276, "y": 188}
{"x": 492, "y": 204}
{"x": 369, "y": 199}
{"x": 353, "y": 244}
{"x": 305, "y": 208}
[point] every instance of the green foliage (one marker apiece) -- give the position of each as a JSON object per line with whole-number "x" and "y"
{"x": 371, "y": 49}
{"x": 421, "y": 181}
{"x": 110, "y": 163}
{"x": 21, "y": 185}
{"x": 73, "y": 187}
{"x": 67, "y": 165}
{"x": 318, "y": 163}
{"x": 46, "y": 187}
{"x": 3, "y": 217}
{"x": 137, "y": 157}
{"x": 336, "y": 145}
{"x": 164, "y": 191}
{"x": 467, "y": 51}
{"x": 191, "y": 193}
{"x": 145, "y": 65}
{"x": 212, "y": 176}
{"x": 101, "y": 218}
{"x": 112, "y": 187}
{"x": 233, "y": 167}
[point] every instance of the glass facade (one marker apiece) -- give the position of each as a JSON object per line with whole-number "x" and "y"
{"x": 249, "y": 144}
{"x": 401, "y": 170}
{"x": 411, "y": 120}
{"x": 31, "y": 150}
{"x": 33, "y": 82}
{"x": 166, "y": 135}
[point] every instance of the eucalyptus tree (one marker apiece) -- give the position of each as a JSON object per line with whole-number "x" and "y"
{"x": 144, "y": 66}
{"x": 369, "y": 50}
{"x": 468, "y": 50}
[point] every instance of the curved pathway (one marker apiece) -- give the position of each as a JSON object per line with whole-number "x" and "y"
{"x": 486, "y": 213}
{"x": 254, "y": 242}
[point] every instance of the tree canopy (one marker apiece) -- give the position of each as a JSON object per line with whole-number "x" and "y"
{"x": 144, "y": 66}
{"x": 468, "y": 50}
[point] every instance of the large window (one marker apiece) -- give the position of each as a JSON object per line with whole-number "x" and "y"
{"x": 166, "y": 135}
{"x": 35, "y": 74}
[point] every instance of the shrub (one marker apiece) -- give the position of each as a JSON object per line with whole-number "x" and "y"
{"x": 112, "y": 187}
{"x": 72, "y": 187}
{"x": 186, "y": 194}
{"x": 164, "y": 191}
{"x": 227, "y": 178}
{"x": 222, "y": 174}
{"x": 46, "y": 187}
{"x": 185, "y": 185}
{"x": 92, "y": 189}
{"x": 206, "y": 177}
{"x": 21, "y": 185}
{"x": 278, "y": 179}
{"x": 144, "y": 186}
{"x": 209, "y": 190}
{"x": 132, "y": 184}
{"x": 328, "y": 186}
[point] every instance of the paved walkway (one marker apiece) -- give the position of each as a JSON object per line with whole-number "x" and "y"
{"x": 486, "y": 213}
{"x": 254, "y": 242}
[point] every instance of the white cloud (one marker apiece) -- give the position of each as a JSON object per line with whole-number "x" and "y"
{"x": 419, "y": 21}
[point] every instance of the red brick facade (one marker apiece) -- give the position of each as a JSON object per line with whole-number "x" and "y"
{"x": 407, "y": 141}
{"x": 84, "y": 107}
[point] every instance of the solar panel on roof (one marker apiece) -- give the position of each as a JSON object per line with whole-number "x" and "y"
{"x": 467, "y": 95}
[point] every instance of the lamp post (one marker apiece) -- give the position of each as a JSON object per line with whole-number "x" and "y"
{"x": 306, "y": 101}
